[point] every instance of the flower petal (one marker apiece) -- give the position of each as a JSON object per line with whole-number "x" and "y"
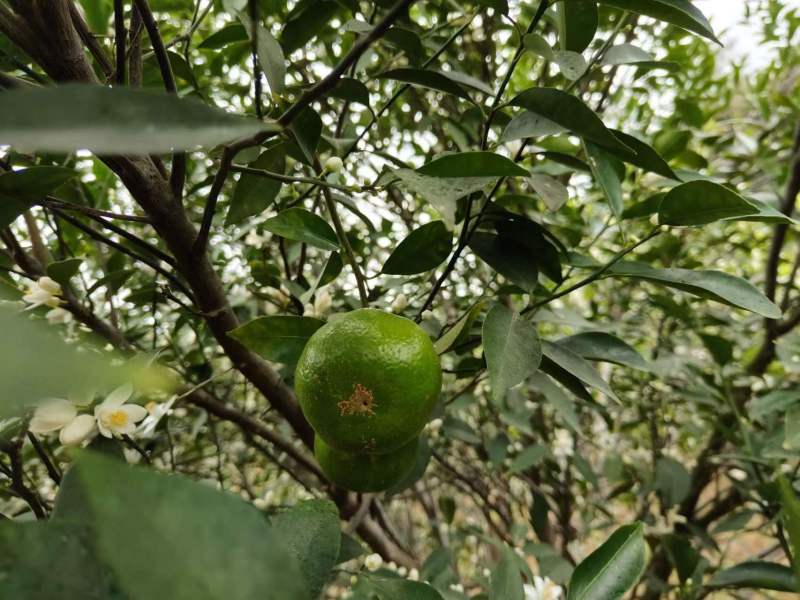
{"x": 78, "y": 430}
{"x": 118, "y": 397}
{"x": 135, "y": 412}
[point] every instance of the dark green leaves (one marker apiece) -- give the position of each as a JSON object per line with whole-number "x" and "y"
{"x": 301, "y": 225}
{"x": 64, "y": 270}
{"x": 700, "y": 202}
{"x": 577, "y": 25}
{"x": 596, "y": 345}
{"x": 253, "y": 193}
{"x": 512, "y": 348}
{"x": 428, "y": 79}
{"x": 606, "y": 175}
{"x": 424, "y": 249}
{"x": 614, "y": 568}
{"x": 182, "y": 540}
{"x": 576, "y": 366}
{"x": 678, "y": 12}
{"x": 506, "y": 578}
{"x": 279, "y": 338}
{"x": 713, "y": 285}
{"x": 756, "y": 574}
{"x": 472, "y": 164}
{"x": 643, "y": 156}
{"x": 19, "y": 190}
{"x": 114, "y": 121}
{"x": 790, "y": 505}
{"x": 270, "y": 55}
{"x": 569, "y": 112}
{"x": 310, "y": 531}
{"x": 402, "y": 589}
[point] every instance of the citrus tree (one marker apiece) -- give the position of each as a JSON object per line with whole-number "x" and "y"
{"x": 396, "y": 300}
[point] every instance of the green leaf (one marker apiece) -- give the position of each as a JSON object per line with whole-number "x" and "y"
{"x": 30, "y": 551}
{"x": 506, "y": 578}
{"x": 672, "y": 481}
{"x": 458, "y": 331}
{"x": 790, "y": 514}
{"x": 270, "y": 55}
{"x": 254, "y": 193}
{"x": 569, "y": 112}
{"x": 606, "y": 176}
{"x": 402, "y": 589}
{"x": 311, "y": 533}
{"x": 776, "y": 401}
{"x": 529, "y": 457}
{"x": 613, "y": 569}
{"x": 563, "y": 404}
{"x": 427, "y": 79}
{"x": 183, "y": 540}
{"x": 628, "y": 54}
{"x": 512, "y": 348}
{"x": 577, "y": 25}
{"x": 351, "y": 90}
{"x": 643, "y": 156}
{"x": 442, "y": 192}
{"x": 73, "y": 370}
{"x": 279, "y": 338}
{"x": 34, "y": 183}
{"x": 678, "y": 12}
{"x": 577, "y": 366}
{"x": 713, "y": 285}
{"x": 571, "y": 64}
{"x": 508, "y": 257}
{"x": 759, "y": 575}
{"x": 472, "y": 164}
{"x": 424, "y": 249}
{"x": 701, "y": 202}
{"x": 229, "y": 34}
{"x": 64, "y": 270}
{"x": 528, "y": 124}
{"x": 597, "y": 345}
{"x": 115, "y": 121}
{"x": 98, "y": 13}
{"x": 306, "y": 25}
{"x": 300, "y": 225}
{"x": 307, "y": 131}
{"x": 553, "y": 193}
{"x": 19, "y": 190}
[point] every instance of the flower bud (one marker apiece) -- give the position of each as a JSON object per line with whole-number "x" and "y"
{"x": 333, "y": 165}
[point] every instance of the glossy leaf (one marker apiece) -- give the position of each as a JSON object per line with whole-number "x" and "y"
{"x": 790, "y": 512}
{"x": 402, "y": 589}
{"x": 553, "y": 193}
{"x": 21, "y": 189}
{"x": 64, "y": 270}
{"x": 424, "y": 249}
{"x": 279, "y": 338}
{"x": 254, "y": 193}
{"x": 760, "y": 575}
{"x": 713, "y": 285}
{"x": 606, "y": 176}
{"x": 577, "y": 366}
{"x": 577, "y": 25}
{"x": 301, "y": 225}
{"x": 432, "y": 80}
{"x": 643, "y": 156}
{"x": 506, "y": 578}
{"x": 507, "y": 257}
{"x": 597, "y": 345}
{"x": 569, "y": 112}
{"x": 512, "y": 348}
{"x": 678, "y": 12}
{"x": 114, "y": 121}
{"x": 472, "y": 164}
{"x": 529, "y": 125}
{"x": 311, "y": 533}
{"x": 702, "y": 202}
{"x": 459, "y": 330}
{"x": 183, "y": 540}
{"x": 270, "y": 55}
{"x": 613, "y": 569}
{"x": 563, "y": 405}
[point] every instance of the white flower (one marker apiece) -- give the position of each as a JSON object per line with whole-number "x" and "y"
{"x": 333, "y": 165}
{"x": 155, "y": 412}
{"x": 44, "y": 292}
{"x": 457, "y": 587}
{"x": 54, "y": 414}
{"x": 400, "y": 303}
{"x": 58, "y": 316}
{"x": 116, "y": 417}
{"x": 373, "y": 562}
{"x": 77, "y": 431}
{"x": 542, "y": 589}
{"x": 562, "y": 444}
{"x": 413, "y": 574}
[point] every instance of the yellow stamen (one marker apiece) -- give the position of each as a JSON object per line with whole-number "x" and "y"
{"x": 118, "y": 418}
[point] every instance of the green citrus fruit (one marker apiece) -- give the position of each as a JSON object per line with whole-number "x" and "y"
{"x": 366, "y": 472}
{"x": 368, "y": 381}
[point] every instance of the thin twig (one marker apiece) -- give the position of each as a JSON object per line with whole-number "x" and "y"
{"x": 120, "y": 40}
{"x": 52, "y": 470}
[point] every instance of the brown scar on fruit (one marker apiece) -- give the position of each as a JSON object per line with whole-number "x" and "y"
{"x": 360, "y": 402}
